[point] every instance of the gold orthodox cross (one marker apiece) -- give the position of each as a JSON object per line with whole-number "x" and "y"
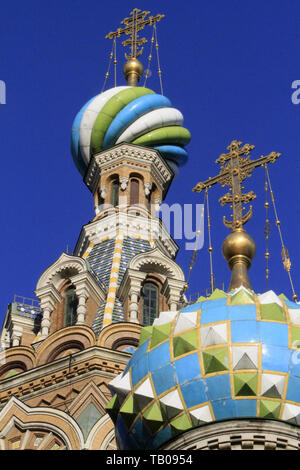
{"x": 133, "y": 25}
{"x": 236, "y": 166}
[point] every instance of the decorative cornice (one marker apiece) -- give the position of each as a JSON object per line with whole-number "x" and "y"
{"x": 133, "y": 226}
{"x": 134, "y": 154}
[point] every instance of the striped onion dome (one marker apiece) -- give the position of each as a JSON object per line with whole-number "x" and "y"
{"x": 129, "y": 114}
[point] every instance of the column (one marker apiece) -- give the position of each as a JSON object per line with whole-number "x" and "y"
{"x": 82, "y": 294}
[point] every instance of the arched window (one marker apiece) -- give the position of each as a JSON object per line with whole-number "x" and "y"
{"x": 150, "y": 303}
{"x": 71, "y": 303}
{"x": 115, "y": 193}
{"x": 134, "y": 191}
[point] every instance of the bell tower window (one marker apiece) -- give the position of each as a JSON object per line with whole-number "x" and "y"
{"x": 150, "y": 303}
{"x": 134, "y": 191}
{"x": 115, "y": 193}
{"x": 71, "y": 303}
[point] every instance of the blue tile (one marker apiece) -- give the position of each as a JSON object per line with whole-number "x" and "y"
{"x": 192, "y": 308}
{"x": 274, "y": 333}
{"x": 290, "y": 304}
{"x": 193, "y": 393}
{"x": 140, "y": 434}
{"x": 223, "y": 409}
{"x": 140, "y": 370}
{"x": 214, "y": 314}
{"x": 218, "y": 387}
{"x": 242, "y": 312}
{"x": 164, "y": 378}
{"x": 159, "y": 356}
{"x": 244, "y": 331}
{"x": 245, "y": 408}
{"x": 275, "y": 358}
{"x": 187, "y": 368}
{"x": 164, "y": 435}
{"x": 293, "y": 389}
{"x": 294, "y": 367}
{"x": 214, "y": 304}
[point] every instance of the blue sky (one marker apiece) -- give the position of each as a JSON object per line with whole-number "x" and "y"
{"x": 228, "y": 66}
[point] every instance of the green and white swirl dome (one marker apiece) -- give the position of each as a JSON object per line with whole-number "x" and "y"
{"x": 230, "y": 356}
{"x": 129, "y": 114}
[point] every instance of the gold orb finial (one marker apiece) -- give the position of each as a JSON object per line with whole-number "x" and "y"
{"x": 133, "y": 70}
{"x": 239, "y": 250}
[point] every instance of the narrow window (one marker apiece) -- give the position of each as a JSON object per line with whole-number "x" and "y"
{"x": 134, "y": 192}
{"x": 150, "y": 303}
{"x": 115, "y": 193}
{"x": 71, "y": 303}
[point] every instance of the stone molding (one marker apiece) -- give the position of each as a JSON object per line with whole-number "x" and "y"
{"x": 247, "y": 434}
{"x": 132, "y": 153}
{"x": 132, "y": 226}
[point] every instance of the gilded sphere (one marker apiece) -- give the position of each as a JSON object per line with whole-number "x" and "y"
{"x": 239, "y": 243}
{"x": 133, "y": 66}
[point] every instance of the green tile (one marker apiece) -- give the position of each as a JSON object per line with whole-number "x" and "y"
{"x": 217, "y": 294}
{"x": 241, "y": 298}
{"x": 146, "y": 332}
{"x": 153, "y": 418}
{"x": 272, "y": 312}
{"x": 160, "y": 333}
{"x": 129, "y": 411}
{"x": 295, "y": 337}
{"x": 185, "y": 343}
{"x": 113, "y": 407}
{"x": 245, "y": 384}
{"x": 269, "y": 409}
{"x": 215, "y": 360}
{"x": 182, "y": 423}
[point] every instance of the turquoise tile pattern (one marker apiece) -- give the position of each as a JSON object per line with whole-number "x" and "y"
{"x": 226, "y": 357}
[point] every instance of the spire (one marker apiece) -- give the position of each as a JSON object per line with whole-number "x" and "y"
{"x": 238, "y": 247}
{"x": 133, "y": 69}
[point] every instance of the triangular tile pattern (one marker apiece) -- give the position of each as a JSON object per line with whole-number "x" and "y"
{"x": 113, "y": 407}
{"x": 171, "y": 404}
{"x": 153, "y": 417}
{"x": 201, "y": 415}
{"x": 213, "y": 334}
{"x": 185, "y": 321}
{"x": 291, "y": 413}
{"x": 129, "y": 411}
{"x": 272, "y": 385}
{"x": 244, "y": 357}
{"x": 146, "y": 333}
{"x": 182, "y": 423}
{"x": 269, "y": 409}
{"x": 215, "y": 360}
{"x": 241, "y": 296}
{"x": 269, "y": 298}
{"x": 272, "y": 311}
{"x": 185, "y": 343}
{"x": 160, "y": 333}
{"x": 245, "y": 384}
{"x": 144, "y": 394}
{"x": 217, "y": 294}
{"x": 121, "y": 385}
{"x": 164, "y": 317}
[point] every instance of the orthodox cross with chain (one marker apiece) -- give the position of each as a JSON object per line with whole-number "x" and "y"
{"x": 133, "y": 25}
{"x": 236, "y": 166}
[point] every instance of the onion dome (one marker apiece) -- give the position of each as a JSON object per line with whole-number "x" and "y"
{"x": 232, "y": 355}
{"x": 129, "y": 114}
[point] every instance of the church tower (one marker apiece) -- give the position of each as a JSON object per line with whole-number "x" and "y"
{"x": 60, "y": 352}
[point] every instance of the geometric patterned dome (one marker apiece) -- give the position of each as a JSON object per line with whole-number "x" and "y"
{"x": 129, "y": 114}
{"x": 232, "y": 355}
